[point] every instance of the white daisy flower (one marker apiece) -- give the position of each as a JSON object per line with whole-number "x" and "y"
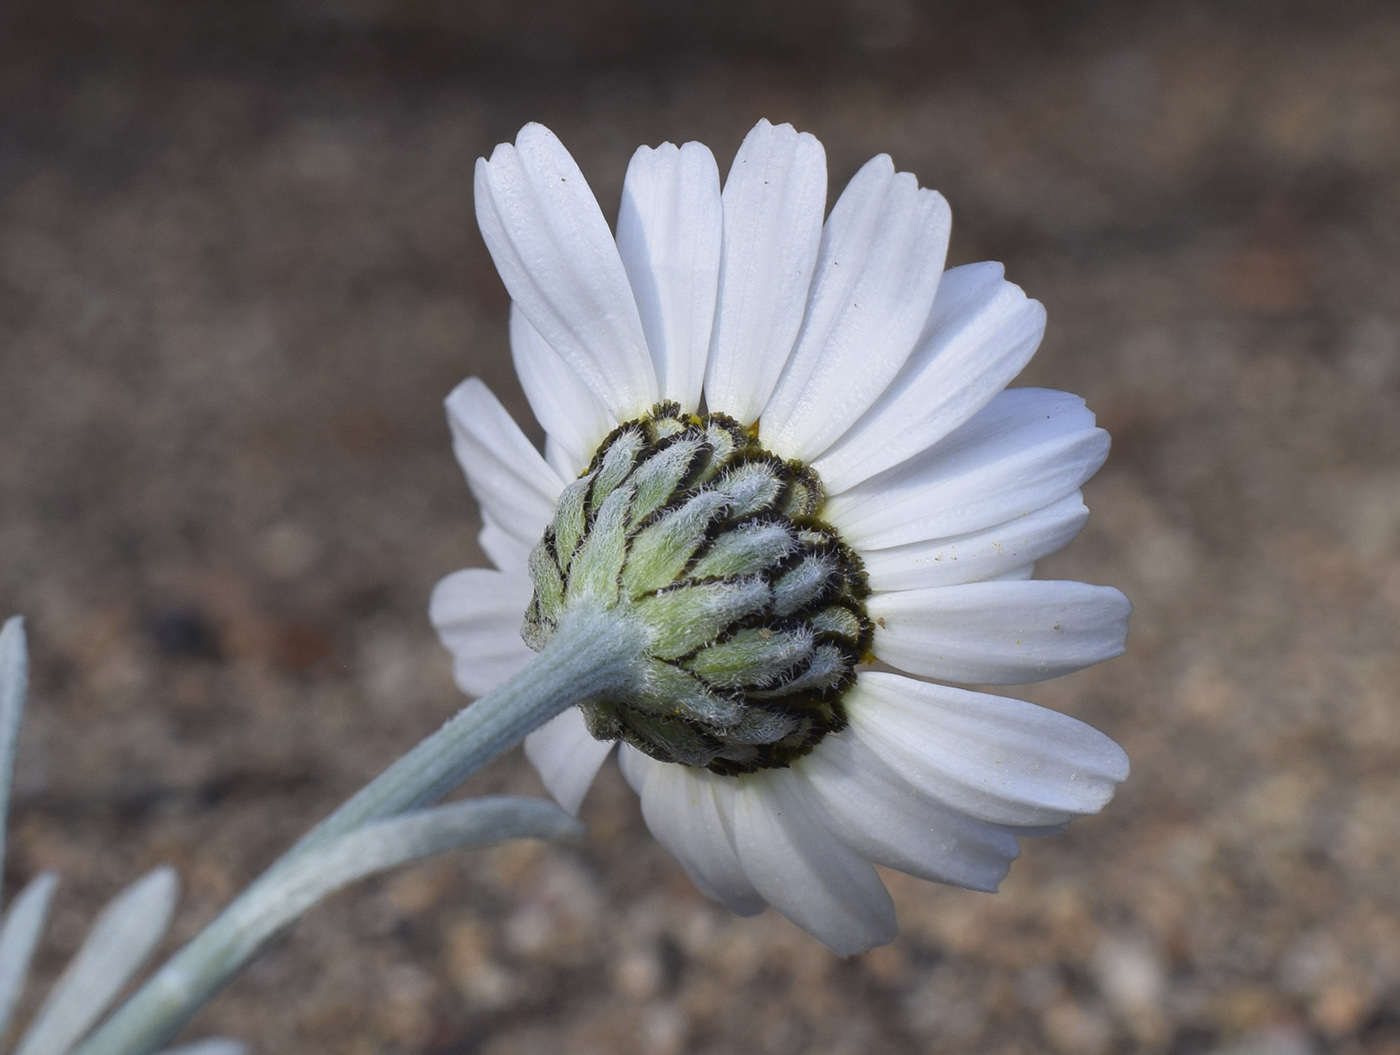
{"x": 786, "y": 449}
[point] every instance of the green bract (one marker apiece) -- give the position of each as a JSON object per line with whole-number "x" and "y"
{"x": 752, "y": 608}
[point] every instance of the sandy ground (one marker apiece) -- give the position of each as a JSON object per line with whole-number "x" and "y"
{"x": 239, "y": 271}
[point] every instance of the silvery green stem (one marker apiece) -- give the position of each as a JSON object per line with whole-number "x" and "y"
{"x": 598, "y": 653}
{"x": 591, "y": 654}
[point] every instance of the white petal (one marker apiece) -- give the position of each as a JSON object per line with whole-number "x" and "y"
{"x": 803, "y": 870}
{"x": 1025, "y": 571}
{"x": 996, "y": 759}
{"x": 210, "y": 1046}
{"x": 883, "y": 818}
{"x": 572, "y": 416}
{"x": 680, "y": 808}
{"x": 980, "y": 555}
{"x": 773, "y": 203}
{"x": 669, "y": 229}
{"x": 559, "y": 262}
{"x": 504, "y": 550}
{"x": 881, "y": 256}
{"x": 478, "y": 613}
{"x": 1027, "y": 448}
{"x": 999, "y": 633}
{"x": 981, "y": 333}
{"x": 634, "y": 765}
{"x": 566, "y": 757}
{"x": 569, "y": 466}
{"x": 517, "y": 490}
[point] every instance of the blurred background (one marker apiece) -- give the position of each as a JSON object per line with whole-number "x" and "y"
{"x": 239, "y": 271}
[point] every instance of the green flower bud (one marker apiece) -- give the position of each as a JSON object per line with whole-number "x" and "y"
{"x": 753, "y": 609}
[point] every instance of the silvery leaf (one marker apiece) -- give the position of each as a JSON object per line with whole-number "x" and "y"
{"x": 20, "y": 933}
{"x": 14, "y": 678}
{"x": 125, "y": 934}
{"x": 186, "y": 981}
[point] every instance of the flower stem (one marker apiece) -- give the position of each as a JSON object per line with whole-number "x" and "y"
{"x": 587, "y": 657}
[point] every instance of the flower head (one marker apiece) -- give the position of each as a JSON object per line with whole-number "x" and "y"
{"x": 784, "y": 449}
